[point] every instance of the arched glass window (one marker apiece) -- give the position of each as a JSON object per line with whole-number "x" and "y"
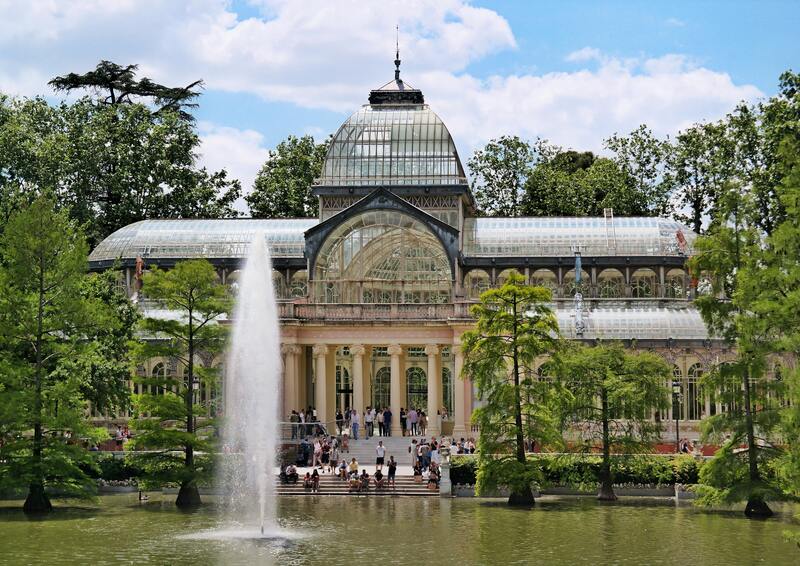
{"x": 417, "y": 388}
{"x": 382, "y": 256}
{"x": 643, "y": 283}
{"x": 544, "y": 278}
{"x": 694, "y": 400}
{"x": 279, "y": 284}
{"x": 504, "y": 275}
{"x": 381, "y": 388}
{"x": 610, "y": 284}
{"x": 447, "y": 389}
{"x": 476, "y": 282}
{"x": 159, "y": 375}
{"x": 344, "y": 388}
{"x": 299, "y": 287}
{"x": 675, "y": 282}
{"x": 571, "y": 286}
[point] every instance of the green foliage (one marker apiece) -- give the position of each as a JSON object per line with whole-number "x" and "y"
{"x": 177, "y": 451}
{"x": 500, "y": 170}
{"x": 282, "y": 188}
{"x": 584, "y": 471}
{"x": 514, "y": 327}
{"x": 109, "y": 165}
{"x": 607, "y": 394}
{"x": 52, "y": 347}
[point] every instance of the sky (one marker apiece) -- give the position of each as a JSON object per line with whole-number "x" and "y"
{"x": 573, "y": 72}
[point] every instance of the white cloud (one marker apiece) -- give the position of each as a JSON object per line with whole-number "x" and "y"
{"x": 327, "y": 54}
{"x": 240, "y": 152}
{"x": 675, "y": 23}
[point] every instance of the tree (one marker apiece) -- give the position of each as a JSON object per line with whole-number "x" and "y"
{"x": 499, "y": 172}
{"x": 165, "y": 419}
{"x": 49, "y": 318}
{"x": 110, "y": 165}
{"x": 644, "y": 159}
{"x": 732, "y": 255}
{"x": 514, "y": 327}
{"x": 117, "y": 84}
{"x": 609, "y": 394}
{"x": 282, "y": 188}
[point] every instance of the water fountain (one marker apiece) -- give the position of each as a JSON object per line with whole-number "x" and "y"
{"x": 252, "y": 395}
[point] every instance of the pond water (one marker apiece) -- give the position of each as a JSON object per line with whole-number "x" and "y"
{"x": 332, "y": 530}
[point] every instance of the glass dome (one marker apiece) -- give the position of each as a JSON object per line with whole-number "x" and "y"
{"x": 382, "y": 256}
{"x": 558, "y": 236}
{"x": 179, "y": 239}
{"x": 641, "y": 323}
{"x": 403, "y": 144}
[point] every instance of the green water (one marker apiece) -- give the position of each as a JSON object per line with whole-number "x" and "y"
{"x": 409, "y": 531}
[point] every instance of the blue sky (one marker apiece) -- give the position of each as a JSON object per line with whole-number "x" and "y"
{"x": 573, "y": 71}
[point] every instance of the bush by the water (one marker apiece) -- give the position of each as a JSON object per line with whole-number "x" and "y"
{"x": 583, "y": 471}
{"x": 112, "y": 469}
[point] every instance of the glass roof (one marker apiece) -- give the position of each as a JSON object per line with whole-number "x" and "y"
{"x": 403, "y": 144}
{"x": 226, "y": 238}
{"x": 557, "y": 236}
{"x": 610, "y": 323}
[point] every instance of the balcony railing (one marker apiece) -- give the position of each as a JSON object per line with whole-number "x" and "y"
{"x": 367, "y": 312}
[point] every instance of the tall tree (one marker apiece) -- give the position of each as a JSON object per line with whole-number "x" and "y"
{"x": 51, "y": 355}
{"x": 110, "y": 165}
{"x": 165, "y": 421}
{"x": 499, "y": 172}
{"x": 644, "y": 160}
{"x": 732, "y": 254}
{"x": 514, "y": 327}
{"x": 282, "y": 188}
{"x": 117, "y": 84}
{"x": 610, "y": 394}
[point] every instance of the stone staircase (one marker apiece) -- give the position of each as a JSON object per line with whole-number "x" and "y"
{"x": 364, "y": 450}
{"x": 331, "y": 485}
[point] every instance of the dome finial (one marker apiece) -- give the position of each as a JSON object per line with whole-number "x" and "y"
{"x": 397, "y": 54}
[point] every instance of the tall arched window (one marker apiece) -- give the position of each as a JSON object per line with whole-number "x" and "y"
{"x": 694, "y": 400}
{"x": 381, "y": 388}
{"x": 675, "y": 284}
{"x": 382, "y": 256}
{"x": 504, "y": 275}
{"x": 544, "y": 278}
{"x": 159, "y": 375}
{"x": 476, "y": 282}
{"x": 417, "y": 388}
{"x": 447, "y": 389}
{"x": 643, "y": 283}
{"x": 572, "y": 286}
{"x": 344, "y": 388}
{"x": 299, "y": 286}
{"x": 610, "y": 284}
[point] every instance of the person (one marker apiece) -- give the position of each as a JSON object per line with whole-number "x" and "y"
{"x": 369, "y": 420}
{"x": 412, "y": 421}
{"x": 414, "y": 453}
{"x": 352, "y": 468}
{"x": 302, "y": 421}
{"x": 290, "y": 474}
{"x": 417, "y": 473}
{"x": 294, "y": 418}
{"x": 334, "y": 455}
{"x": 342, "y": 470}
{"x": 422, "y": 423}
{"x": 118, "y": 438}
{"x": 364, "y": 480}
{"x": 433, "y": 477}
{"x": 346, "y": 442}
{"x": 307, "y": 481}
{"x": 379, "y": 418}
{"x": 392, "y": 466}
{"x": 315, "y": 481}
{"x": 379, "y": 479}
{"x": 317, "y": 454}
{"x": 403, "y": 421}
{"x": 380, "y": 453}
{"x": 339, "y": 421}
{"x": 354, "y": 483}
{"x": 326, "y": 455}
{"x": 387, "y": 422}
{"x": 354, "y": 422}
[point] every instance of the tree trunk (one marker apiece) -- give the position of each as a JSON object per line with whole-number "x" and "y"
{"x": 188, "y": 495}
{"x": 37, "y": 500}
{"x": 606, "y": 492}
{"x": 522, "y": 498}
{"x": 756, "y": 508}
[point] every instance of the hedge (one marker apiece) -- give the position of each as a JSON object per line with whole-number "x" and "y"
{"x": 582, "y": 471}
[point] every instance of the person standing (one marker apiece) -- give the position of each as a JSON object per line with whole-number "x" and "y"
{"x": 403, "y": 421}
{"x": 422, "y": 423}
{"x": 379, "y": 418}
{"x": 369, "y": 420}
{"x": 380, "y": 454}
{"x": 354, "y": 422}
{"x": 339, "y": 421}
{"x": 294, "y": 419}
{"x": 412, "y": 421}
{"x": 392, "y": 470}
{"x": 387, "y": 422}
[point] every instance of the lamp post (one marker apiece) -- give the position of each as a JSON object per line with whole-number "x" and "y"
{"x": 676, "y": 412}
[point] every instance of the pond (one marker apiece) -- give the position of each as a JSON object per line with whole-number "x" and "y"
{"x": 355, "y": 530}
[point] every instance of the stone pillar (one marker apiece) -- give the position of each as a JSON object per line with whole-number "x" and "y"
{"x": 459, "y": 417}
{"x": 291, "y": 378}
{"x": 357, "y": 351}
{"x": 434, "y": 387}
{"x": 320, "y": 352}
{"x": 395, "y": 351}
